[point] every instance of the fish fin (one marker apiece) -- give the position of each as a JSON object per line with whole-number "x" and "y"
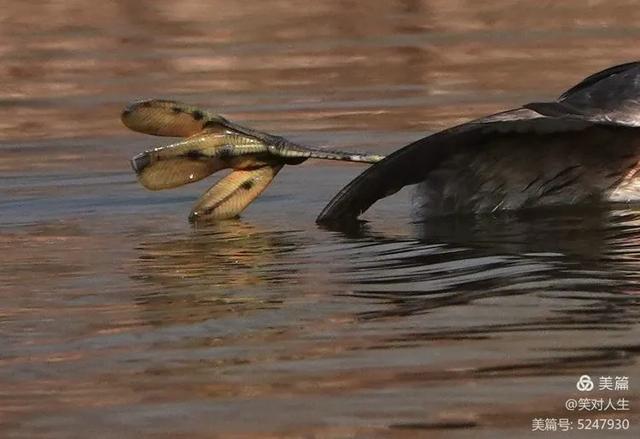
{"x": 232, "y": 194}
{"x": 160, "y": 117}
{"x": 172, "y": 173}
{"x": 180, "y": 163}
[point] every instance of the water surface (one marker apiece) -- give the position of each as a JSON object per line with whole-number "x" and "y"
{"x": 119, "y": 319}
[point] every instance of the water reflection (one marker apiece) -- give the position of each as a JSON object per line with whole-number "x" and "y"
{"x": 457, "y": 261}
{"x": 565, "y": 281}
{"x": 214, "y": 269}
{"x": 118, "y": 317}
{"x": 231, "y": 253}
{"x": 236, "y": 317}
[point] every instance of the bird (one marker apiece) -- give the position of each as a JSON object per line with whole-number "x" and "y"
{"x": 582, "y": 148}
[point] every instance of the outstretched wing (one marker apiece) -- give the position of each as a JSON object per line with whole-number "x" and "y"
{"x": 609, "y": 97}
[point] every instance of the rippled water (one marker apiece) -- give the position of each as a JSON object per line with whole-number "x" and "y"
{"x": 119, "y": 319}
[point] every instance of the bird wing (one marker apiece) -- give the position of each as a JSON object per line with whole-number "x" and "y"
{"x": 610, "y": 97}
{"x": 411, "y": 164}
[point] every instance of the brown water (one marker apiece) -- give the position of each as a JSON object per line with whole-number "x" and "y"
{"x": 119, "y": 319}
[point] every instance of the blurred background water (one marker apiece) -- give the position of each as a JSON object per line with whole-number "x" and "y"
{"x": 119, "y": 319}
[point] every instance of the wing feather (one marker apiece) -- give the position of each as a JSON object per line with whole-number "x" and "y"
{"x": 609, "y": 97}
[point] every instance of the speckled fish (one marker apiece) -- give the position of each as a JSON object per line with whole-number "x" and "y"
{"x": 213, "y": 143}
